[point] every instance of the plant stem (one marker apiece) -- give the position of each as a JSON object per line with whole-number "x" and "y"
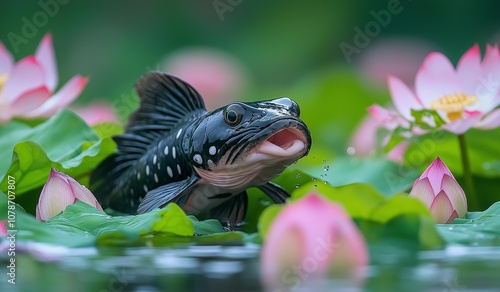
{"x": 469, "y": 183}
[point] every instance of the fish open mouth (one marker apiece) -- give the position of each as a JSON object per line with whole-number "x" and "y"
{"x": 287, "y": 142}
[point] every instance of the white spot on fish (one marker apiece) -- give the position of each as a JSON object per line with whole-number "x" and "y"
{"x": 147, "y": 169}
{"x": 156, "y": 178}
{"x": 132, "y": 204}
{"x": 198, "y": 159}
{"x": 154, "y": 159}
{"x": 166, "y": 150}
{"x": 173, "y": 152}
{"x": 169, "y": 170}
{"x": 178, "y": 133}
{"x": 132, "y": 191}
{"x": 141, "y": 199}
{"x": 145, "y": 188}
{"x": 178, "y": 168}
{"x": 138, "y": 175}
{"x": 212, "y": 150}
{"x": 159, "y": 167}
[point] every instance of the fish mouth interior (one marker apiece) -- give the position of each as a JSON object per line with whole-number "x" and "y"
{"x": 284, "y": 143}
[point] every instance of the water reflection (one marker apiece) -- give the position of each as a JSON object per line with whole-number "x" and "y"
{"x": 236, "y": 268}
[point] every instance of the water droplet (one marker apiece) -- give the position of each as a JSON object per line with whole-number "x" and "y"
{"x": 321, "y": 175}
{"x": 351, "y": 150}
{"x": 314, "y": 179}
{"x": 326, "y": 168}
{"x": 297, "y": 186}
{"x": 324, "y": 160}
{"x": 315, "y": 186}
{"x": 450, "y": 228}
{"x": 295, "y": 162}
{"x": 325, "y": 182}
{"x": 314, "y": 157}
{"x": 298, "y": 175}
{"x": 325, "y": 175}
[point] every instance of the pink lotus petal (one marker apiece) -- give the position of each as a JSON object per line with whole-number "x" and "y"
{"x": 469, "y": 68}
{"x": 290, "y": 254}
{"x": 455, "y": 194}
{"x": 46, "y": 57}
{"x": 6, "y": 60}
{"x": 61, "y": 99}
{"x": 442, "y": 209}
{"x": 491, "y": 62}
{"x": 422, "y": 190}
{"x": 389, "y": 118}
{"x": 491, "y": 121}
{"x": 55, "y": 197}
{"x": 83, "y": 194}
{"x": 30, "y": 100}
{"x": 435, "y": 173}
{"x": 452, "y": 217}
{"x": 26, "y": 75}
{"x": 364, "y": 137}
{"x": 488, "y": 82}
{"x": 436, "y": 78}
{"x": 404, "y": 100}
{"x": 397, "y": 153}
{"x": 461, "y": 126}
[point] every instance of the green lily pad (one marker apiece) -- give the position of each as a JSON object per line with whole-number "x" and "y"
{"x": 477, "y": 228}
{"x": 64, "y": 142}
{"x": 375, "y": 214}
{"x": 386, "y": 176}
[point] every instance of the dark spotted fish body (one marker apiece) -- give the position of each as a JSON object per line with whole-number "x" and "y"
{"x": 173, "y": 150}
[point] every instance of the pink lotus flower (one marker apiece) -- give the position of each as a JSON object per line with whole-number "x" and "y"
{"x": 60, "y": 191}
{"x": 464, "y": 98}
{"x": 441, "y": 193}
{"x": 27, "y": 87}
{"x": 312, "y": 238}
{"x": 96, "y": 113}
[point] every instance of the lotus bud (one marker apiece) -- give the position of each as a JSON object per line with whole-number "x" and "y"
{"x": 59, "y": 191}
{"x": 441, "y": 193}
{"x": 312, "y": 238}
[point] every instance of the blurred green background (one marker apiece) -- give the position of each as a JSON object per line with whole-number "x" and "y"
{"x": 278, "y": 42}
{"x": 282, "y": 48}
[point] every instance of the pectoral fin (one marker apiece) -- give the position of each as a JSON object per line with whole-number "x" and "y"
{"x": 163, "y": 195}
{"x": 275, "y": 192}
{"x": 232, "y": 211}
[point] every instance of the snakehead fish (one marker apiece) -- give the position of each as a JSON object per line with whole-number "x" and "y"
{"x": 173, "y": 150}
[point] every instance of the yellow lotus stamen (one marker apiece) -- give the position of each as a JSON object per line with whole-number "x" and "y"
{"x": 3, "y": 79}
{"x": 453, "y": 104}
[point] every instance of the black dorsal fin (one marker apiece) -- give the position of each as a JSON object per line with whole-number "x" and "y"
{"x": 164, "y": 101}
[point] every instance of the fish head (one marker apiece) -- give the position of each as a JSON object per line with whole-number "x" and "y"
{"x": 249, "y": 143}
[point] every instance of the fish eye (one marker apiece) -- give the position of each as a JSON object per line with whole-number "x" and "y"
{"x": 234, "y": 114}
